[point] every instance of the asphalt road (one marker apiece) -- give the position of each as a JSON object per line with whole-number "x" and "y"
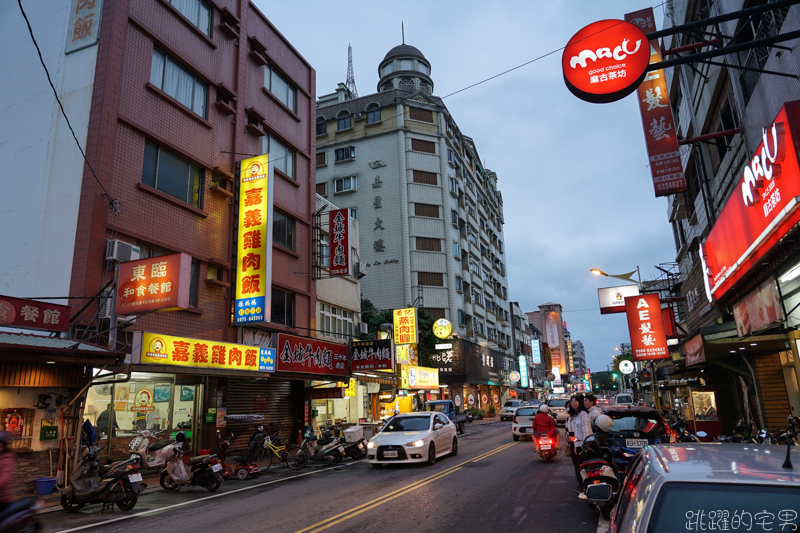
{"x": 494, "y": 484}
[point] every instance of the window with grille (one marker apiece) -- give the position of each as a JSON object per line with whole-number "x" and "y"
{"x": 434, "y": 279}
{"x": 423, "y": 146}
{"x": 321, "y": 159}
{"x": 423, "y": 115}
{"x": 426, "y": 210}
{"x": 428, "y": 178}
{"x": 429, "y": 245}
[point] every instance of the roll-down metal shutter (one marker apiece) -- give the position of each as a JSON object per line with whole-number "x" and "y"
{"x": 275, "y": 399}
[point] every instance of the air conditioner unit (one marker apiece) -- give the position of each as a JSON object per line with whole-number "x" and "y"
{"x": 363, "y": 328}
{"x": 105, "y": 304}
{"x": 121, "y": 251}
{"x": 358, "y": 116}
{"x": 359, "y": 270}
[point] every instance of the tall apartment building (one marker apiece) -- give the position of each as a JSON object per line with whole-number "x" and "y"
{"x": 431, "y": 215}
{"x": 733, "y": 100}
{"x": 579, "y": 356}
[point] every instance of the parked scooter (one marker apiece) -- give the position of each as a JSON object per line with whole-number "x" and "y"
{"x": 140, "y": 448}
{"x": 684, "y": 436}
{"x": 206, "y": 470}
{"x": 117, "y": 483}
{"x": 245, "y": 464}
{"x": 20, "y": 515}
{"x": 327, "y": 448}
{"x": 600, "y": 468}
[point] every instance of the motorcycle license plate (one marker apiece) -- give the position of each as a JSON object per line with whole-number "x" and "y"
{"x": 216, "y": 468}
{"x": 134, "y": 478}
{"x": 636, "y": 443}
{"x": 341, "y": 449}
{"x": 390, "y": 453}
{"x": 544, "y": 447}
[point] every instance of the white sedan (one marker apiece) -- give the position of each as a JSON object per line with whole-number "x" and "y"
{"x": 413, "y": 438}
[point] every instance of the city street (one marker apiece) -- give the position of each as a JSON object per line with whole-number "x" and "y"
{"x": 494, "y": 484}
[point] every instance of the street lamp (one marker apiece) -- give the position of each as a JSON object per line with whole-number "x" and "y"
{"x": 623, "y": 277}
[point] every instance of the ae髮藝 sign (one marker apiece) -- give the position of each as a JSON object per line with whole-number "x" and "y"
{"x": 646, "y": 327}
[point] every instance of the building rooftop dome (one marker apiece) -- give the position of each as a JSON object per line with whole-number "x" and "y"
{"x": 403, "y": 50}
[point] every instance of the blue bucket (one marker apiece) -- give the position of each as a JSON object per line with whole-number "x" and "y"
{"x": 44, "y": 485}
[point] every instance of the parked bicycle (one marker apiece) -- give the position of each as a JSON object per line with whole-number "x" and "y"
{"x": 291, "y": 455}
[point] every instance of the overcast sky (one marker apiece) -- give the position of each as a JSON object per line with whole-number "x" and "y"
{"x": 576, "y": 187}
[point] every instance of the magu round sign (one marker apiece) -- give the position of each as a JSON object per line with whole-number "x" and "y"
{"x": 605, "y": 61}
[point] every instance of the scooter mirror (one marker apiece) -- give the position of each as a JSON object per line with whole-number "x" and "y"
{"x": 702, "y": 434}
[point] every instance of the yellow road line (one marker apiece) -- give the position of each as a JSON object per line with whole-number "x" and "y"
{"x": 341, "y": 517}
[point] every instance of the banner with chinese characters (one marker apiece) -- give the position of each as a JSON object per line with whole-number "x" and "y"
{"x": 570, "y": 359}
{"x": 372, "y": 355}
{"x": 537, "y": 358}
{"x": 406, "y": 354}
{"x": 84, "y": 24}
{"x": 418, "y": 377}
{"x": 30, "y": 314}
{"x": 310, "y": 356}
{"x": 659, "y": 124}
{"x": 339, "y": 227}
{"x": 405, "y": 326}
{"x": 646, "y": 327}
{"x": 154, "y": 283}
{"x": 328, "y": 393}
{"x": 254, "y": 245}
{"x": 523, "y": 372}
{"x": 157, "y": 349}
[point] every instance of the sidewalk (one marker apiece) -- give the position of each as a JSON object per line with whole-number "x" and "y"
{"x": 492, "y": 420}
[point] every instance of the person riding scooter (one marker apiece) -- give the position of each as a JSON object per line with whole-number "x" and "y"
{"x": 543, "y": 423}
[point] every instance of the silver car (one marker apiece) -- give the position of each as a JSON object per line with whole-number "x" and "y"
{"x": 558, "y": 409}
{"x": 707, "y": 487}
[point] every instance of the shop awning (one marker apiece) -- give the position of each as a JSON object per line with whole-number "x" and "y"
{"x": 43, "y": 349}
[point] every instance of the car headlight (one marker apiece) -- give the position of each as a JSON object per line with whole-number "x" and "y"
{"x": 416, "y": 443}
{"x": 371, "y": 445}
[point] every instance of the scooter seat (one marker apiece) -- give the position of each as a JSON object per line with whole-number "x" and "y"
{"x": 17, "y": 506}
{"x": 198, "y": 459}
{"x": 160, "y": 444}
{"x": 242, "y": 459}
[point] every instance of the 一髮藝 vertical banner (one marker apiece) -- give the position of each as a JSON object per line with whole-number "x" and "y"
{"x": 254, "y": 243}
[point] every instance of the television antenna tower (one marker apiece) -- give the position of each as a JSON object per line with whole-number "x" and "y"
{"x": 351, "y": 79}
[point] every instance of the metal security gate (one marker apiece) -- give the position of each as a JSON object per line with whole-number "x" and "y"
{"x": 275, "y": 399}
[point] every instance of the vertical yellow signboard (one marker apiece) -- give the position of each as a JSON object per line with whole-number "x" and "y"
{"x": 254, "y": 246}
{"x": 405, "y": 326}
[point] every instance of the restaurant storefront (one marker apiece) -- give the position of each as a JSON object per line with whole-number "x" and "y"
{"x": 472, "y": 375}
{"x": 752, "y": 261}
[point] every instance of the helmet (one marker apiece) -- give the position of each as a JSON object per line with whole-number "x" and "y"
{"x": 5, "y": 438}
{"x": 604, "y": 422}
{"x": 544, "y": 408}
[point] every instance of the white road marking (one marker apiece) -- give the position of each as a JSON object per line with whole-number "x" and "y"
{"x": 602, "y": 524}
{"x": 189, "y": 502}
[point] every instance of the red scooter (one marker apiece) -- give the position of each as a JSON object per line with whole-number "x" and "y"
{"x": 245, "y": 464}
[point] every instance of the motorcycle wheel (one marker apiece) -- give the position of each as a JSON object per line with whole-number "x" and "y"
{"x": 337, "y": 457}
{"x": 166, "y": 482}
{"x": 130, "y": 499}
{"x": 295, "y": 457}
{"x": 213, "y": 484}
{"x": 70, "y": 504}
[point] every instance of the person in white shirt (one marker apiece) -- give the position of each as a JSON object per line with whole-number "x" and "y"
{"x": 581, "y": 427}
{"x": 590, "y": 403}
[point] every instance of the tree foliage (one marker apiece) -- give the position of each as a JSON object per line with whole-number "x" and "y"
{"x": 375, "y": 317}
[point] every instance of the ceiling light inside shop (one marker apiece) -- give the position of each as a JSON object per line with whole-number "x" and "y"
{"x": 789, "y": 276}
{"x": 742, "y": 348}
{"x": 733, "y": 351}
{"x": 753, "y": 344}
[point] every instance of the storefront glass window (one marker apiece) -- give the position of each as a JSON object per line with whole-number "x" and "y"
{"x": 705, "y": 405}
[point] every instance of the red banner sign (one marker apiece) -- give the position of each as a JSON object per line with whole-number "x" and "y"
{"x": 154, "y": 283}
{"x": 30, "y": 314}
{"x": 761, "y": 209}
{"x": 339, "y": 227}
{"x": 646, "y": 327}
{"x": 659, "y": 124}
{"x": 605, "y": 61}
{"x": 695, "y": 353}
{"x": 372, "y": 355}
{"x": 309, "y": 356}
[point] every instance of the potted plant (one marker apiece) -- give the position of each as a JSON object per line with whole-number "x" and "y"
{"x": 492, "y": 410}
{"x": 481, "y": 413}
